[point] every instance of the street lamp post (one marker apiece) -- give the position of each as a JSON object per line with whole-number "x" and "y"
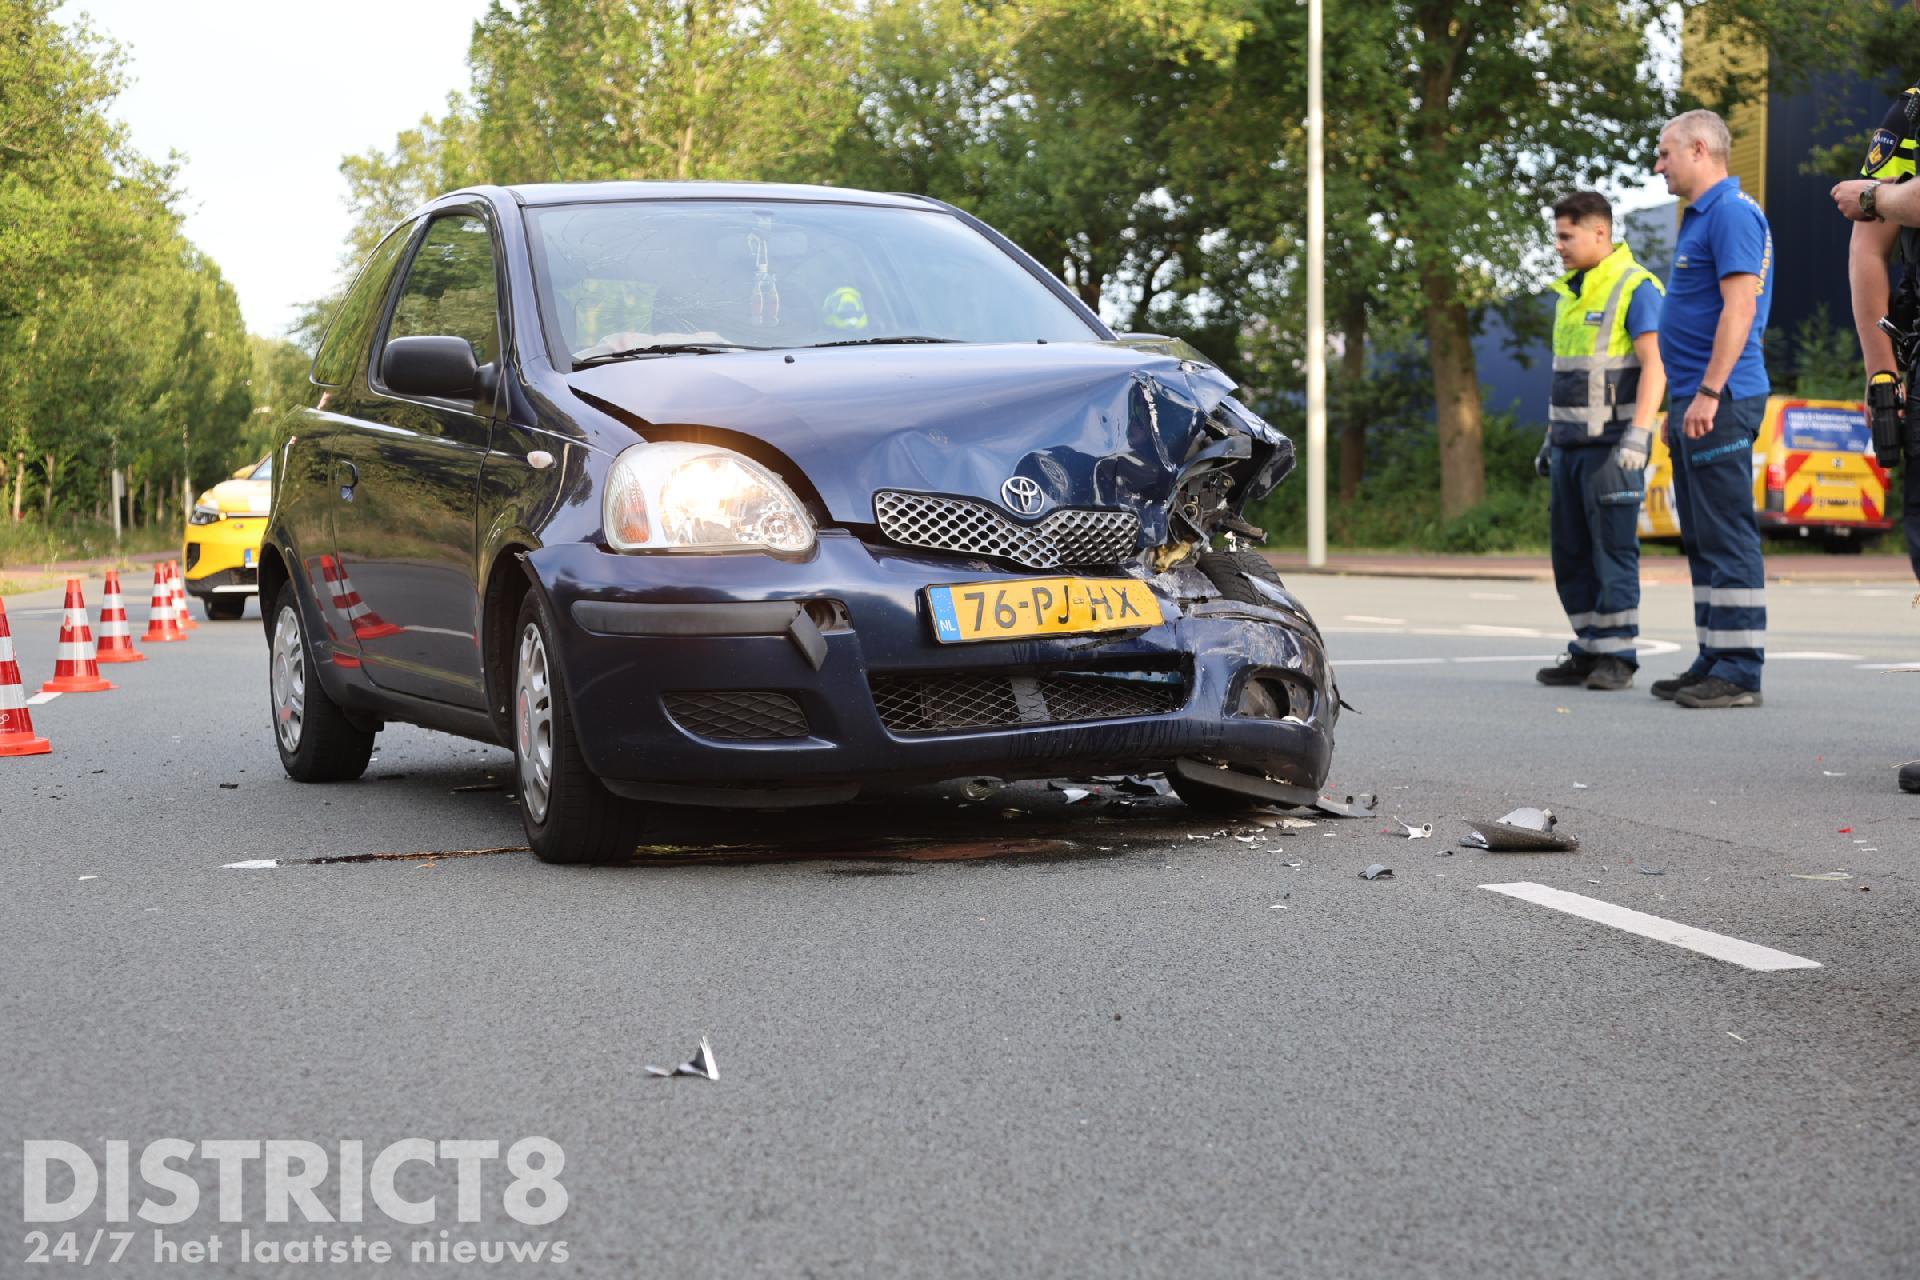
{"x": 1316, "y": 300}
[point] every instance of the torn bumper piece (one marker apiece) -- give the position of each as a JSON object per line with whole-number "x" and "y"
{"x": 759, "y": 681}
{"x": 1524, "y": 830}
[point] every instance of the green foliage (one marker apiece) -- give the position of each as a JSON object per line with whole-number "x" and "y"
{"x": 1821, "y": 359}
{"x": 120, "y": 344}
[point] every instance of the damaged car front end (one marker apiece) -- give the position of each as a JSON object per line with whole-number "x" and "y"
{"x": 883, "y": 539}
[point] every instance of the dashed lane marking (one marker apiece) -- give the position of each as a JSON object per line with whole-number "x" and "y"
{"x": 1811, "y": 655}
{"x": 1367, "y": 617}
{"x": 1748, "y": 955}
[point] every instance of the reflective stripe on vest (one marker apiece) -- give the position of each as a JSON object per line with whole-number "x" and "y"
{"x": 1596, "y": 375}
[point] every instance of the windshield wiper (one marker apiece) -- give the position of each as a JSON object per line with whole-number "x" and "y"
{"x": 908, "y": 340}
{"x": 664, "y": 349}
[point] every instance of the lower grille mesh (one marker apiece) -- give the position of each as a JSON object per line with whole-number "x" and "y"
{"x": 932, "y": 704}
{"x": 734, "y": 715}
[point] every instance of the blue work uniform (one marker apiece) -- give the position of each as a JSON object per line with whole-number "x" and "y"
{"x": 1724, "y": 233}
{"x": 1596, "y": 502}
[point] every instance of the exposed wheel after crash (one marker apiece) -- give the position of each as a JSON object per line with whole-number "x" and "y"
{"x": 729, "y": 494}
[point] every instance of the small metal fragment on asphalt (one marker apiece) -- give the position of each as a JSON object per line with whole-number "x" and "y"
{"x": 1651, "y": 871}
{"x": 250, "y": 864}
{"x": 1824, "y": 875}
{"x": 1741, "y": 1039}
{"x": 229, "y": 786}
{"x": 1378, "y": 871}
{"x": 1831, "y": 774}
{"x": 1074, "y": 795}
{"x": 1580, "y": 786}
{"x": 1525, "y": 830}
{"x": 702, "y": 1064}
{"x": 89, "y": 877}
{"x": 1146, "y": 784}
{"x": 1245, "y": 839}
{"x": 1421, "y": 832}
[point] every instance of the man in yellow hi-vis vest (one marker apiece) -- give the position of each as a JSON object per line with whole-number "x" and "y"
{"x": 1607, "y": 385}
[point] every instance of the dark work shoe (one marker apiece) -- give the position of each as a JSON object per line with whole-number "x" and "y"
{"x": 1910, "y": 776}
{"x": 1572, "y": 669}
{"x": 1713, "y": 692}
{"x": 1610, "y": 674}
{"x": 1672, "y": 685}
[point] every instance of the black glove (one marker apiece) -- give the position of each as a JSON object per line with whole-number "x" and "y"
{"x": 1543, "y": 460}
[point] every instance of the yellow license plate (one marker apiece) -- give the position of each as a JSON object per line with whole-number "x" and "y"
{"x": 1040, "y": 607}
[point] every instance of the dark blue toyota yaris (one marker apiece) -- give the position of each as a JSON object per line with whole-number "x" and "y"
{"x": 761, "y": 496}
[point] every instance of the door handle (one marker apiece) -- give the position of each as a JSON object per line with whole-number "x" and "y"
{"x": 346, "y": 475}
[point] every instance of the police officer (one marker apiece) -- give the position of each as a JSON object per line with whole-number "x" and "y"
{"x": 1607, "y": 385}
{"x": 1884, "y": 214}
{"x": 1718, "y": 296}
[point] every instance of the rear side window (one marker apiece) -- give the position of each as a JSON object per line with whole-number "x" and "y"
{"x": 352, "y": 324}
{"x": 450, "y": 288}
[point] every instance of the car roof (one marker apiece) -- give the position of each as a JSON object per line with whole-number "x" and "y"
{"x": 551, "y": 193}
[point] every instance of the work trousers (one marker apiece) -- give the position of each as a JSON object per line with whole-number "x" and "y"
{"x": 1713, "y": 497}
{"x": 1596, "y": 550}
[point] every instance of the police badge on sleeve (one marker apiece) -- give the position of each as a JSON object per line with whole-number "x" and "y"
{"x": 1882, "y": 150}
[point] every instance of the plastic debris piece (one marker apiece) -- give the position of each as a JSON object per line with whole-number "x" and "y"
{"x": 1360, "y": 806}
{"x": 229, "y": 786}
{"x": 1296, "y": 864}
{"x": 1525, "y": 830}
{"x": 1824, "y": 875}
{"x": 1421, "y": 832}
{"x": 1581, "y": 786}
{"x": 1846, "y": 831}
{"x": 1244, "y": 839}
{"x": 1563, "y": 711}
{"x": 981, "y": 788}
{"x": 250, "y": 864}
{"x": 89, "y": 877}
{"x": 1146, "y": 784}
{"x": 1278, "y": 906}
{"x": 1741, "y": 1039}
{"x": 702, "y": 1064}
{"x": 1831, "y": 774}
{"x": 1651, "y": 871}
{"x": 1074, "y": 795}
{"x": 1378, "y": 871}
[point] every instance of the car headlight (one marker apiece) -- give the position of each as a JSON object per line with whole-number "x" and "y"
{"x": 204, "y": 513}
{"x": 694, "y": 497}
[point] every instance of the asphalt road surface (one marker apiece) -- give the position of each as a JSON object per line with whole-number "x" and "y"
{"x": 1013, "y": 1035}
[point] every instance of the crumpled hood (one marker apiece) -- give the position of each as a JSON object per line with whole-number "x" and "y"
{"x": 1101, "y": 425}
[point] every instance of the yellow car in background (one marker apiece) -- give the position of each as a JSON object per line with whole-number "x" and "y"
{"x": 1813, "y": 474}
{"x": 221, "y": 559}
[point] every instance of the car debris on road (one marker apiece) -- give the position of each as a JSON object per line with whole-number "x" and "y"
{"x": 1525, "y": 830}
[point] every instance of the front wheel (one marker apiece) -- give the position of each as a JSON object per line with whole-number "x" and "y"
{"x": 317, "y": 742}
{"x": 569, "y": 815}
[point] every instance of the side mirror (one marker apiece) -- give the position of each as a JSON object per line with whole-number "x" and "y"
{"x": 435, "y": 366}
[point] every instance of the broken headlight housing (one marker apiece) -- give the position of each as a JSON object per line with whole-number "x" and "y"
{"x": 691, "y": 497}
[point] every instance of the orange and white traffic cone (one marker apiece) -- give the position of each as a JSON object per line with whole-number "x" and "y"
{"x": 162, "y": 625}
{"x": 116, "y": 637}
{"x": 182, "y": 610}
{"x": 16, "y": 723}
{"x": 367, "y": 625}
{"x": 75, "y": 670}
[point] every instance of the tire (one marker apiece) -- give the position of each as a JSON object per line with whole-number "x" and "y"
{"x": 316, "y": 741}
{"x": 569, "y": 815}
{"x": 226, "y": 608}
{"x": 1230, "y": 571}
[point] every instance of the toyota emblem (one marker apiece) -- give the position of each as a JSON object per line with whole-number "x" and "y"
{"x": 1022, "y": 495}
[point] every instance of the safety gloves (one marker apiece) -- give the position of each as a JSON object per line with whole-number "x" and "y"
{"x": 1634, "y": 447}
{"x": 1543, "y": 461}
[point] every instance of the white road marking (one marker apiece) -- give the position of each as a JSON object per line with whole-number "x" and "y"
{"x": 1391, "y": 662}
{"x": 1888, "y": 666}
{"x": 1514, "y": 657}
{"x": 39, "y": 698}
{"x": 1719, "y": 946}
{"x": 1811, "y": 655}
{"x": 1367, "y": 617}
{"x": 1488, "y": 629}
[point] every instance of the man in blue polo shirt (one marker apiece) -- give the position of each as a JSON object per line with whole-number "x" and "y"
{"x": 1718, "y": 296}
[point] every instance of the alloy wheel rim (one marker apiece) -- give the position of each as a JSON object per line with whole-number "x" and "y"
{"x": 289, "y": 680}
{"x": 533, "y": 723}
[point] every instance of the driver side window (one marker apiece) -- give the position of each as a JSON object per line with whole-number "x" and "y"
{"x": 450, "y": 287}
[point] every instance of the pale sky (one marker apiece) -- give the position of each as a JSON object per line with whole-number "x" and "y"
{"x": 264, "y": 97}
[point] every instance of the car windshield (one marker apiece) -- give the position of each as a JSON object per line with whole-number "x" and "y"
{"x": 264, "y": 471}
{"x": 697, "y": 275}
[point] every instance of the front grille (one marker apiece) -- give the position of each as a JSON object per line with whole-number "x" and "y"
{"x": 933, "y": 704}
{"x": 1071, "y": 536}
{"x": 735, "y": 715}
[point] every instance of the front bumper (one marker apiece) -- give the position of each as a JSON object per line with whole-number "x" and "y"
{"x": 222, "y": 556}
{"x": 849, "y": 688}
